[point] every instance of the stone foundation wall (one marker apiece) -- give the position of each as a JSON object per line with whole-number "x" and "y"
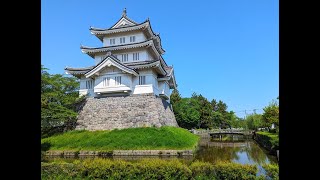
{"x": 141, "y": 110}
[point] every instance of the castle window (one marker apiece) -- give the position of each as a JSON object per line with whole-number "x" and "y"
{"x": 142, "y": 80}
{"x": 118, "y": 80}
{"x": 122, "y": 40}
{"x": 102, "y": 58}
{"x": 106, "y": 81}
{"x": 135, "y": 56}
{"x": 124, "y": 57}
{"x": 89, "y": 84}
{"x": 112, "y": 41}
{"x": 132, "y": 39}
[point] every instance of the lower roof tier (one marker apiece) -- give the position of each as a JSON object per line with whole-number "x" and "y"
{"x": 164, "y": 73}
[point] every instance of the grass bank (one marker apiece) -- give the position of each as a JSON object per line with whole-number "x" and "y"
{"x": 148, "y": 138}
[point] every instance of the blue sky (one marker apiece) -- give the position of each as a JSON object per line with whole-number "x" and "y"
{"x": 223, "y": 49}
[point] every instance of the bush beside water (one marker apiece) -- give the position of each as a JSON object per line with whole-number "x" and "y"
{"x": 268, "y": 140}
{"x": 145, "y": 169}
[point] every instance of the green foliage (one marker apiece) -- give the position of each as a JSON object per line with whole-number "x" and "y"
{"x": 202, "y": 170}
{"x": 198, "y": 112}
{"x": 145, "y": 169}
{"x": 226, "y": 170}
{"x": 125, "y": 139}
{"x": 205, "y": 110}
{"x": 254, "y": 121}
{"x": 59, "y": 96}
{"x": 272, "y": 171}
{"x": 271, "y": 114}
{"x": 175, "y": 96}
{"x": 187, "y": 113}
{"x": 268, "y": 140}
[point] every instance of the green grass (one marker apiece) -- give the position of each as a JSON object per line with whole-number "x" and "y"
{"x": 272, "y": 135}
{"x": 147, "y": 138}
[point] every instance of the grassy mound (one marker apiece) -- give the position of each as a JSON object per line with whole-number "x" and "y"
{"x": 148, "y": 138}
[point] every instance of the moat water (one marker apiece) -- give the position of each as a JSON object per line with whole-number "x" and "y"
{"x": 236, "y": 148}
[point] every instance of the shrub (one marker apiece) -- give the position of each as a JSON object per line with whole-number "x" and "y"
{"x": 227, "y": 170}
{"x": 272, "y": 171}
{"x": 99, "y": 168}
{"x": 268, "y": 140}
{"x": 202, "y": 170}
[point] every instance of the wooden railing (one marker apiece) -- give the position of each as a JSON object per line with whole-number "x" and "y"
{"x": 222, "y": 131}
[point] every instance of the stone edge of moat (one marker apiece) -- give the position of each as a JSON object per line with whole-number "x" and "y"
{"x": 74, "y": 153}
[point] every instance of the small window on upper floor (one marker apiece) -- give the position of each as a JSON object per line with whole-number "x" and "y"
{"x": 132, "y": 39}
{"x": 122, "y": 40}
{"x": 112, "y": 41}
{"x": 124, "y": 57}
{"x": 135, "y": 56}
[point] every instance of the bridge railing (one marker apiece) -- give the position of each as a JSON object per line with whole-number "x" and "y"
{"x": 204, "y": 131}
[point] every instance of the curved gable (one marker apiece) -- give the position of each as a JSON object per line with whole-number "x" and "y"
{"x": 110, "y": 61}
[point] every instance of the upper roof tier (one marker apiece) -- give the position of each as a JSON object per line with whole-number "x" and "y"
{"x": 91, "y": 51}
{"x": 125, "y": 24}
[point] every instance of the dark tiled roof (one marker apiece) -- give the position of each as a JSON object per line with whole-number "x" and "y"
{"x": 126, "y": 17}
{"x": 79, "y": 69}
{"x": 84, "y": 47}
{"x": 140, "y": 62}
{"x": 101, "y": 29}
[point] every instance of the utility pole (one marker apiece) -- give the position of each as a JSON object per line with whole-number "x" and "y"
{"x": 245, "y": 112}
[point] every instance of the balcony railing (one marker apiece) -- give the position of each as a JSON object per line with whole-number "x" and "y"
{"x": 111, "y": 89}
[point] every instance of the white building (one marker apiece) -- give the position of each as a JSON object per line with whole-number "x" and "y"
{"x": 129, "y": 62}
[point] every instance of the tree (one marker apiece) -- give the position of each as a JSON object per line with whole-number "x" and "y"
{"x": 175, "y": 96}
{"x": 221, "y": 117}
{"x": 214, "y": 105}
{"x": 271, "y": 114}
{"x": 187, "y": 113}
{"x": 205, "y": 109}
{"x": 59, "y": 96}
{"x": 254, "y": 121}
{"x": 222, "y": 107}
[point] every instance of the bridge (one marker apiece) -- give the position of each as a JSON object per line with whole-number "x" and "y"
{"x": 213, "y": 132}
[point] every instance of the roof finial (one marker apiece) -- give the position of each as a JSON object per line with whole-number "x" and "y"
{"x": 108, "y": 53}
{"x": 124, "y": 13}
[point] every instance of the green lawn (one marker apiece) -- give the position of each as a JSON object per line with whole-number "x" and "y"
{"x": 146, "y": 138}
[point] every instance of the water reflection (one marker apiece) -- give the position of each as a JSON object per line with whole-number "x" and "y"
{"x": 238, "y": 149}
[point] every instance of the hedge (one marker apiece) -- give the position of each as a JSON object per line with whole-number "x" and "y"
{"x": 145, "y": 169}
{"x": 272, "y": 171}
{"x": 268, "y": 140}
